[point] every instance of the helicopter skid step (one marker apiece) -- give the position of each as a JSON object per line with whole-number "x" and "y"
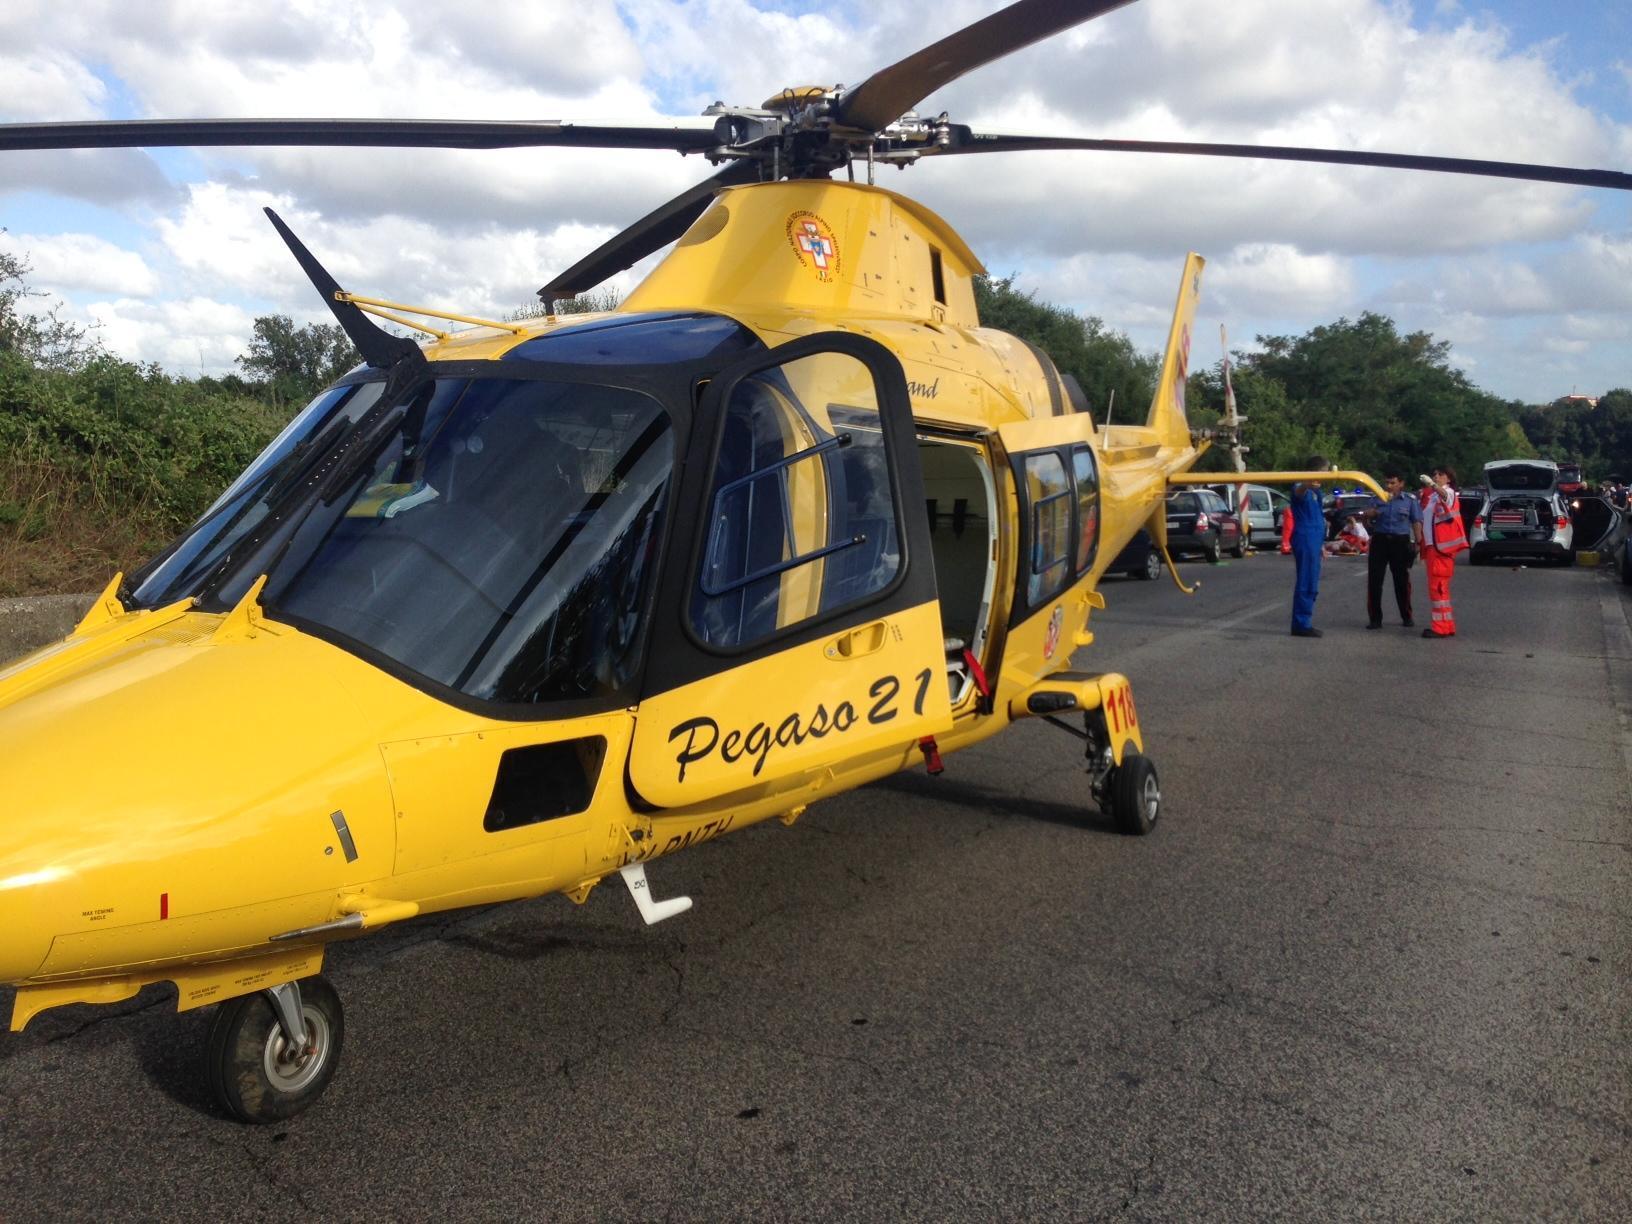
{"x": 651, "y": 909}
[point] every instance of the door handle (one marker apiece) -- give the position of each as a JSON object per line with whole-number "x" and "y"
{"x": 859, "y": 642}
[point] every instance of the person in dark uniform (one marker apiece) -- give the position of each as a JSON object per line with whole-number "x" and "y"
{"x": 1393, "y": 548}
{"x": 1308, "y": 543}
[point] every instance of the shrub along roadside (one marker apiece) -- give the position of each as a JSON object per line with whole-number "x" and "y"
{"x": 102, "y": 465}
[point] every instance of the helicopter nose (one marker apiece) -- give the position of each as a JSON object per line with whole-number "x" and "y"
{"x": 23, "y": 944}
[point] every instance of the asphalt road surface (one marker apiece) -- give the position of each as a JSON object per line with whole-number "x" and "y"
{"x": 1374, "y": 962}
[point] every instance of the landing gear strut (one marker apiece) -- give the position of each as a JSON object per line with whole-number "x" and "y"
{"x": 270, "y": 1055}
{"x": 1129, "y": 793}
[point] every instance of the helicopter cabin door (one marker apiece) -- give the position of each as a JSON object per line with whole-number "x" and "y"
{"x": 798, "y": 625}
{"x": 1056, "y": 477}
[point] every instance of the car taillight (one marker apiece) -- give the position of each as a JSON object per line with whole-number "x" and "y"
{"x": 1203, "y": 522}
{"x": 1478, "y": 520}
{"x": 1563, "y": 522}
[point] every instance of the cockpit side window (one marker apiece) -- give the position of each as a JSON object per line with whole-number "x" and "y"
{"x": 801, "y": 514}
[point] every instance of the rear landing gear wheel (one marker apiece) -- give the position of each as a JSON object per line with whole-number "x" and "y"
{"x": 255, "y": 1071}
{"x": 1135, "y": 795}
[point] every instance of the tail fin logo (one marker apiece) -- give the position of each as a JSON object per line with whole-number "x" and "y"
{"x": 1183, "y": 363}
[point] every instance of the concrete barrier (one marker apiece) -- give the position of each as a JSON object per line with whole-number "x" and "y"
{"x": 29, "y": 622}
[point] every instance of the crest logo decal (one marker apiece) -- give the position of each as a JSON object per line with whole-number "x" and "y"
{"x": 814, "y": 244}
{"x": 1051, "y": 636}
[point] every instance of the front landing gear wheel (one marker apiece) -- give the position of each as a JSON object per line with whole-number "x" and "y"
{"x": 1136, "y": 797}
{"x": 255, "y": 1071}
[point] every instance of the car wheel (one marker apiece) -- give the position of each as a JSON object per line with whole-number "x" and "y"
{"x": 1135, "y": 795}
{"x": 1211, "y": 553}
{"x": 1240, "y": 549}
{"x": 1153, "y": 567}
{"x": 1478, "y": 558}
{"x": 1626, "y": 569}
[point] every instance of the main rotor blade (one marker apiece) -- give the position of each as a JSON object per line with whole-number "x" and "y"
{"x": 978, "y": 142}
{"x": 890, "y": 92}
{"x": 379, "y": 133}
{"x": 655, "y": 230}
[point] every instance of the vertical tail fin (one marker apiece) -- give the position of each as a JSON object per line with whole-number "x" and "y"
{"x": 1167, "y": 409}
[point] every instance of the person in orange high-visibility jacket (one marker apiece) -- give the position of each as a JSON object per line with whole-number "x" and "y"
{"x": 1443, "y": 536}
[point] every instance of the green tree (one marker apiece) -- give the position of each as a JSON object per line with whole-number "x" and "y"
{"x": 1276, "y": 434}
{"x": 1392, "y": 400}
{"x": 41, "y": 338}
{"x": 1102, "y": 361}
{"x": 291, "y": 364}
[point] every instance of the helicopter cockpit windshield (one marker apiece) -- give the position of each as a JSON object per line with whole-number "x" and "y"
{"x": 492, "y": 529}
{"x": 495, "y": 538}
{"x": 494, "y": 535}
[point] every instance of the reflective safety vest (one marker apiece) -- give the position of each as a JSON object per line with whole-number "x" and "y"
{"x": 1442, "y": 525}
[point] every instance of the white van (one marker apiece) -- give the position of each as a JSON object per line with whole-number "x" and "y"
{"x": 1264, "y": 507}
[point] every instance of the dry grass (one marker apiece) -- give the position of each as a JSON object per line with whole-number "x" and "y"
{"x": 61, "y": 534}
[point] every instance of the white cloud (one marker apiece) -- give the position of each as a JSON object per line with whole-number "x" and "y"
{"x": 48, "y": 87}
{"x": 191, "y": 336}
{"x": 82, "y": 261}
{"x": 1276, "y": 279}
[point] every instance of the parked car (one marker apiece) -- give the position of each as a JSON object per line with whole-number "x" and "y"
{"x": 1569, "y": 479}
{"x": 1264, "y": 507}
{"x": 1338, "y": 506}
{"x": 1199, "y": 521}
{"x": 1521, "y": 476}
{"x": 1471, "y": 500}
{"x": 1531, "y": 525}
{"x": 1139, "y": 559}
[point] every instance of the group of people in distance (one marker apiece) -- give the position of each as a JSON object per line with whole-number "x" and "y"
{"x": 1401, "y": 529}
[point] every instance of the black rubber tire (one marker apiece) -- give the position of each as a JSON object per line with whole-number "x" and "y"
{"x": 1211, "y": 553}
{"x": 1626, "y": 570}
{"x": 1153, "y": 567}
{"x": 1478, "y": 558}
{"x": 241, "y": 1035}
{"x": 1135, "y": 795}
{"x": 1240, "y": 549}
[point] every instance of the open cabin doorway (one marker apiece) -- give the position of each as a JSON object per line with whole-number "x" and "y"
{"x": 962, "y": 505}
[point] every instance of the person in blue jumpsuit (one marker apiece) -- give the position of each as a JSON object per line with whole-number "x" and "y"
{"x": 1308, "y": 542}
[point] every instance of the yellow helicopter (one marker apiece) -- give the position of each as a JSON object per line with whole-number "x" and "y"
{"x": 535, "y": 603}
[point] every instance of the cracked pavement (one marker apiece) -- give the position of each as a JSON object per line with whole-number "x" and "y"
{"x": 1354, "y": 974}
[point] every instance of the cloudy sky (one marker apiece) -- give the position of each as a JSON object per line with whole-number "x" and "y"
{"x": 169, "y": 252}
